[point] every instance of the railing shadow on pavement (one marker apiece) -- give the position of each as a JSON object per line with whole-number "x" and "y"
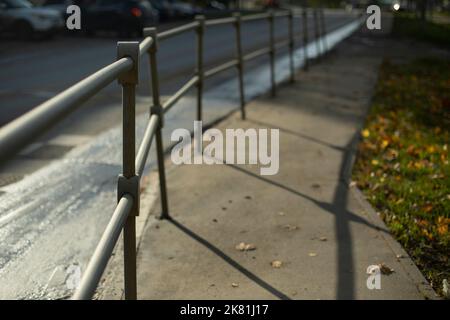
{"x": 343, "y": 216}
{"x": 298, "y": 134}
{"x": 263, "y": 284}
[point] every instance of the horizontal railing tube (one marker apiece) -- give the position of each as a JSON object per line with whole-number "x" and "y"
{"x": 18, "y": 133}
{"x": 169, "y": 103}
{"x": 145, "y": 45}
{"x": 221, "y": 21}
{"x": 256, "y": 54}
{"x": 281, "y": 14}
{"x": 176, "y": 31}
{"x": 146, "y": 143}
{"x": 221, "y": 68}
{"x": 282, "y": 44}
{"x": 253, "y": 17}
{"x": 103, "y": 251}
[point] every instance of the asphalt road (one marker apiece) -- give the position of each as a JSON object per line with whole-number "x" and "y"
{"x": 33, "y": 72}
{"x": 54, "y": 218}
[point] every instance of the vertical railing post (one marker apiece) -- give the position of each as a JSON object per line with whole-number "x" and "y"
{"x": 200, "y": 87}
{"x": 272, "y": 53}
{"x": 316, "y": 31}
{"x": 240, "y": 66}
{"x": 156, "y": 109}
{"x": 324, "y": 31}
{"x": 128, "y": 182}
{"x": 291, "y": 45}
{"x": 305, "y": 37}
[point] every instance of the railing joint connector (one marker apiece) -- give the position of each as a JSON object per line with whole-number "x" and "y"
{"x": 130, "y": 186}
{"x": 129, "y": 49}
{"x": 237, "y": 18}
{"x": 152, "y": 33}
{"x": 201, "y": 23}
{"x": 159, "y": 111}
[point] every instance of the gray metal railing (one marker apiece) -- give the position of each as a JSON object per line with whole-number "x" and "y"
{"x": 21, "y": 131}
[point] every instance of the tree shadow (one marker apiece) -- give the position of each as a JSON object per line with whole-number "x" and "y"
{"x": 297, "y": 134}
{"x": 338, "y": 207}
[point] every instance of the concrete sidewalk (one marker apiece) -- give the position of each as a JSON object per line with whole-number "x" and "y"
{"x": 323, "y": 231}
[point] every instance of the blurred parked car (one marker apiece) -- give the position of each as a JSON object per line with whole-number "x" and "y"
{"x": 127, "y": 17}
{"x": 172, "y": 9}
{"x": 271, "y": 4}
{"x": 215, "y": 5}
{"x": 21, "y": 19}
{"x": 58, "y": 5}
{"x": 183, "y": 10}
{"x": 164, "y": 9}
{"x": 215, "y": 9}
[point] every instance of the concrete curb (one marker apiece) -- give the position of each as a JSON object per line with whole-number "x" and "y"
{"x": 405, "y": 261}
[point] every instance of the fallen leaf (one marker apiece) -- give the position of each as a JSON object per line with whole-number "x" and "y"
{"x": 290, "y": 227}
{"x": 245, "y": 246}
{"x": 385, "y": 269}
{"x": 365, "y": 133}
{"x": 276, "y": 264}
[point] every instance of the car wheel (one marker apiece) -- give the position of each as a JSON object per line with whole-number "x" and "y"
{"x": 24, "y": 30}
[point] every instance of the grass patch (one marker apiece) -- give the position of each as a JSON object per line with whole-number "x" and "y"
{"x": 408, "y": 26}
{"x": 403, "y": 161}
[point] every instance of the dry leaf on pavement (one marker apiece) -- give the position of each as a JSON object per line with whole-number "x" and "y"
{"x": 385, "y": 269}
{"x": 276, "y": 264}
{"x": 245, "y": 246}
{"x": 290, "y": 227}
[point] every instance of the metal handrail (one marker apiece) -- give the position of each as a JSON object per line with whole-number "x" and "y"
{"x": 220, "y": 21}
{"x": 282, "y": 14}
{"x": 104, "y": 249}
{"x": 19, "y": 132}
{"x": 223, "y": 67}
{"x": 178, "y": 30}
{"x": 282, "y": 44}
{"x": 253, "y": 17}
{"x": 179, "y": 94}
{"x": 257, "y": 53}
{"x": 145, "y": 45}
{"x": 146, "y": 143}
